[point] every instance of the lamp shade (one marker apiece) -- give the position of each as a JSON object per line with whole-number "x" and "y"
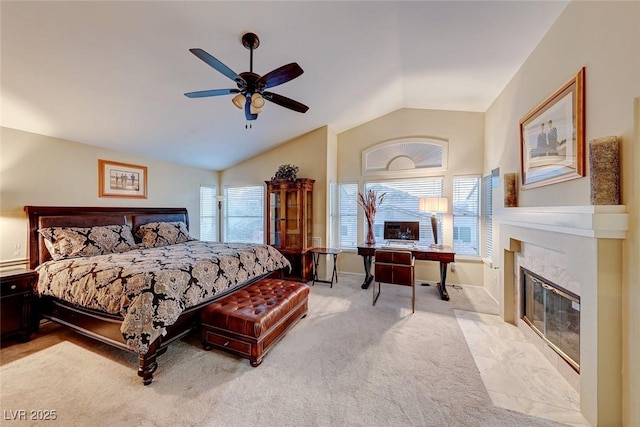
{"x": 434, "y": 204}
{"x": 257, "y": 102}
{"x": 239, "y": 101}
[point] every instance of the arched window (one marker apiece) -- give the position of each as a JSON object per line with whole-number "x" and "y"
{"x": 405, "y": 156}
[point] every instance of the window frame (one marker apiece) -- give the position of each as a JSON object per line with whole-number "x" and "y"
{"x": 490, "y": 183}
{"x": 228, "y": 237}
{"x": 424, "y": 218}
{"x": 459, "y": 247}
{"x": 211, "y": 219}
{"x": 336, "y": 239}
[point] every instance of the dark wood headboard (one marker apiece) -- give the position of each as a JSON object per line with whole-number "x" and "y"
{"x": 80, "y": 216}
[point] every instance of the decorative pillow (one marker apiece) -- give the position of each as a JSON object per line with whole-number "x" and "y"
{"x": 156, "y": 234}
{"x": 72, "y": 242}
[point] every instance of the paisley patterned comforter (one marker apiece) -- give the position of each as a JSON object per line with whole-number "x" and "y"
{"x": 151, "y": 287}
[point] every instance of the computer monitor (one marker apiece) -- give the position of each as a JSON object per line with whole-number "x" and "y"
{"x": 403, "y": 231}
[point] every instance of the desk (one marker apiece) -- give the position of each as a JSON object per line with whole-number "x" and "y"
{"x": 444, "y": 256}
{"x": 316, "y": 252}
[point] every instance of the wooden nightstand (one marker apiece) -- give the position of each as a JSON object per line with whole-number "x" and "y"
{"x": 16, "y": 300}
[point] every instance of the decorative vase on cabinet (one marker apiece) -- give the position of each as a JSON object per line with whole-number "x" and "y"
{"x": 290, "y": 223}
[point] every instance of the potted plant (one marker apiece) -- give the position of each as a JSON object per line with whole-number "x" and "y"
{"x": 287, "y": 172}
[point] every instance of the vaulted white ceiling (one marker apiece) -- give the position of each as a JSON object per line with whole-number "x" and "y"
{"x": 113, "y": 74}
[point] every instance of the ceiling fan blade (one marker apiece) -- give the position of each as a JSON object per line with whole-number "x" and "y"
{"x": 216, "y": 64}
{"x": 285, "y": 102}
{"x": 280, "y": 75}
{"x": 213, "y": 92}
{"x": 247, "y": 110}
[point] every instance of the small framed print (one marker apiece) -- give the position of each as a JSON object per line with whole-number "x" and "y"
{"x": 121, "y": 180}
{"x": 552, "y": 147}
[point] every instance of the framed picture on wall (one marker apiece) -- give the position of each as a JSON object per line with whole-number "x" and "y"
{"x": 552, "y": 147}
{"x": 121, "y": 180}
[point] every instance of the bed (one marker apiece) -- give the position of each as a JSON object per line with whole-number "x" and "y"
{"x": 133, "y": 277}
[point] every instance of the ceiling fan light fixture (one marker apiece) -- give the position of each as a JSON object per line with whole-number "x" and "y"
{"x": 250, "y": 95}
{"x": 257, "y": 102}
{"x": 238, "y": 101}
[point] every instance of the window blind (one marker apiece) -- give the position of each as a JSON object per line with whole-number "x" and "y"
{"x": 489, "y": 182}
{"x": 466, "y": 215}
{"x": 244, "y": 214}
{"x": 208, "y": 214}
{"x": 401, "y": 204}
{"x": 347, "y": 228}
{"x": 333, "y": 214}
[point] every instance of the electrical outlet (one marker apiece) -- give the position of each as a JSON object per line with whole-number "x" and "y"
{"x": 453, "y": 267}
{"x": 16, "y": 249}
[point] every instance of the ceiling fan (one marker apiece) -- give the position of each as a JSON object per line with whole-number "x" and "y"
{"x": 251, "y": 93}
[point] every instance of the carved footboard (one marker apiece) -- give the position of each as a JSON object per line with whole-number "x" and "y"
{"x": 147, "y": 363}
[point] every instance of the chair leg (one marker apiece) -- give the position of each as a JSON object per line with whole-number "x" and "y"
{"x": 413, "y": 298}
{"x": 375, "y": 296}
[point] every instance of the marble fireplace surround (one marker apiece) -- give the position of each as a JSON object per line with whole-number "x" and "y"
{"x": 579, "y": 248}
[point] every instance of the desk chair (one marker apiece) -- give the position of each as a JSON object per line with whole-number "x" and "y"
{"x": 395, "y": 267}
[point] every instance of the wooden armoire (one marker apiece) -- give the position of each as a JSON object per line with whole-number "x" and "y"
{"x": 290, "y": 223}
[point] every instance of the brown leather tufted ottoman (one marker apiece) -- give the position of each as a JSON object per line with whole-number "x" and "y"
{"x": 250, "y": 321}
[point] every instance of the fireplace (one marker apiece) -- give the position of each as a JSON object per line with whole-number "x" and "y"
{"x": 578, "y": 248}
{"x": 554, "y": 314}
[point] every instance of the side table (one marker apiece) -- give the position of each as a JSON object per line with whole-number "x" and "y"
{"x": 316, "y": 252}
{"x": 16, "y": 301}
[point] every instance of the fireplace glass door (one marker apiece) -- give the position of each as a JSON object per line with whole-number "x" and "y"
{"x": 554, "y": 313}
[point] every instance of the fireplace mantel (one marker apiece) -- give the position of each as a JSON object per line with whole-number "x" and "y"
{"x": 579, "y": 248}
{"x": 596, "y": 221}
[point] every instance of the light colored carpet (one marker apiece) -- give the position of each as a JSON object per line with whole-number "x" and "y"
{"x": 346, "y": 364}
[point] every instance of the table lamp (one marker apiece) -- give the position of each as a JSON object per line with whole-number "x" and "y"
{"x": 434, "y": 205}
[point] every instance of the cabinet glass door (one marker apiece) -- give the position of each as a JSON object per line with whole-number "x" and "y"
{"x": 309, "y": 237}
{"x": 275, "y": 219}
{"x": 293, "y": 238}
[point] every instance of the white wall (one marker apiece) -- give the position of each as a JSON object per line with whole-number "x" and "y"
{"x": 604, "y": 37}
{"x": 464, "y": 133}
{"x": 631, "y": 291}
{"x": 601, "y": 36}
{"x": 308, "y": 152}
{"x": 44, "y": 171}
